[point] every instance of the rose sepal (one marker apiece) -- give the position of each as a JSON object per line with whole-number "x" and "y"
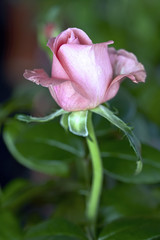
{"x": 64, "y": 121}
{"x": 112, "y": 118}
{"x": 28, "y": 119}
{"x": 77, "y": 123}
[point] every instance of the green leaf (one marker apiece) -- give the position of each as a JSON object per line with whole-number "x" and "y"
{"x": 42, "y": 147}
{"x": 77, "y": 122}
{"x": 57, "y": 229}
{"x": 28, "y": 119}
{"x": 9, "y": 227}
{"x": 120, "y": 162}
{"x": 132, "y": 229}
{"x": 111, "y": 117}
{"x": 126, "y": 200}
{"x": 64, "y": 121}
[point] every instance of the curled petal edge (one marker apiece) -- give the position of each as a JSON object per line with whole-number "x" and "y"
{"x": 115, "y": 84}
{"x": 40, "y": 77}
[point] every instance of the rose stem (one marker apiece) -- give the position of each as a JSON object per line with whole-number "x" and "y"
{"x": 97, "y": 177}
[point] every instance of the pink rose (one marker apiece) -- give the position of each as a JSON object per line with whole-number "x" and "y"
{"x": 84, "y": 74}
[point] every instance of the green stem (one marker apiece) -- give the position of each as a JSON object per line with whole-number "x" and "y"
{"x": 97, "y": 177}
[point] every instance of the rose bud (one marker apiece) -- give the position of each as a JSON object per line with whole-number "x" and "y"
{"x": 84, "y": 74}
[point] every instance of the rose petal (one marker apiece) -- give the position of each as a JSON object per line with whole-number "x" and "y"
{"x": 73, "y": 38}
{"x": 88, "y": 67}
{"x": 113, "y": 55}
{"x": 68, "y": 98}
{"x": 124, "y": 62}
{"x": 114, "y": 86}
{"x": 68, "y": 36}
{"x": 73, "y": 35}
{"x": 57, "y": 69}
{"x": 40, "y": 77}
{"x": 82, "y": 36}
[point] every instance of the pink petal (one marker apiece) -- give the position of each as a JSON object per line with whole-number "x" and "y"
{"x": 73, "y": 38}
{"x": 113, "y": 55}
{"x": 57, "y": 69}
{"x": 40, "y": 77}
{"x": 88, "y": 67}
{"x": 68, "y": 98}
{"x": 71, "y": 35}
{"x": 82, "y": 36}
{"x": 124, "y": 62}
{"x": 114, "y": 86}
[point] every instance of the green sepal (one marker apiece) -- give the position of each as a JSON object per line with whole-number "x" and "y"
{"x": 112, "y": 118}
{"x": 64, "y": 121}
{"x": 77, "y": 123}
{"x": 28, "y": 119}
